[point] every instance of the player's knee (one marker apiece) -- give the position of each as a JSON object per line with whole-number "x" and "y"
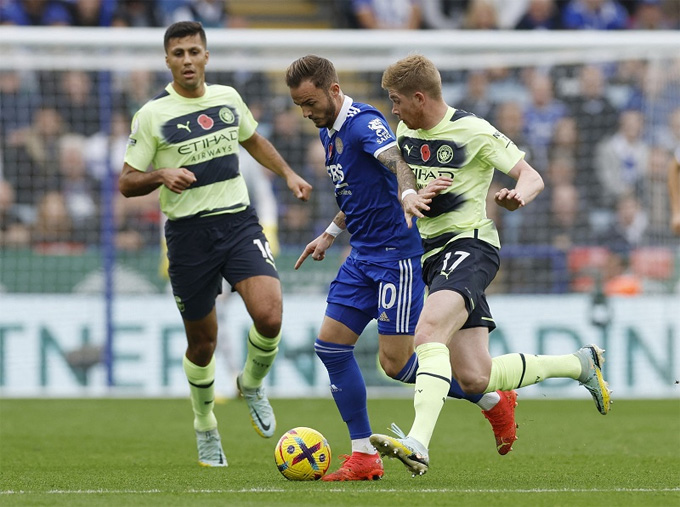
{"x": 268, "y": 324}
{"x": 200, "y": 352}
{"x": 390, "y": 366}
{"x": 473, "y": 383}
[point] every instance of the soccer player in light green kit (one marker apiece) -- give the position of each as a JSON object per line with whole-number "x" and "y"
{"x": 443, "y": 144}
{"x": 190, "y": 135}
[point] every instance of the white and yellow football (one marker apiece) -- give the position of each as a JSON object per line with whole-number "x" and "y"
{"x": 302, "y": 454}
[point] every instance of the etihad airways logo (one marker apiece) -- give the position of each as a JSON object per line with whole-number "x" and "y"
{"x": 426, "y": 174}
{"x": 227, "y": 136}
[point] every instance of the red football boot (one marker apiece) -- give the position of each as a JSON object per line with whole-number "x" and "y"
{"x": 357, "y": 467}
{"x": 502, "y": 419}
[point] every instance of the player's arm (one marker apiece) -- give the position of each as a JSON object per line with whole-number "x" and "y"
{"x": 133, "y": 183}
{"x": 411, "y": 200}
{"x": 529, "y": 185}
{"x": 323, "y": 242}
{"x": 674, "y": 194}
{"x": 266, "y": 154}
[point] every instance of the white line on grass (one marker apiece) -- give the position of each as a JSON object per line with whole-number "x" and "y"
{"x": 336, "y": 490}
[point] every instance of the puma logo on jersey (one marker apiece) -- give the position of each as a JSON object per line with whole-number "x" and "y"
{"x": 408, "y": 149}
{"x": 185, "y": 127}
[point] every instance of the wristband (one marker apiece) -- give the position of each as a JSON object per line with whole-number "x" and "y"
{"x": 333, "y": 230}
{"x": 407, "y": 192}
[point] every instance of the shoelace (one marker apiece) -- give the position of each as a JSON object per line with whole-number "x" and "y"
{"x": 397, "y": 431}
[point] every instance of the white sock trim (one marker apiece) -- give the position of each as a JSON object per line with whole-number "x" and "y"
{"x": 489, "y": 400}
{"x": 363, "y": 445}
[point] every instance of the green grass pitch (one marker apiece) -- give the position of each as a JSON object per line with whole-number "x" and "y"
{"x": 142, "y": 452}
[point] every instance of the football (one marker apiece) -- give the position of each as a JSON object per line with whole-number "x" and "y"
{"x": 302, "y": 454}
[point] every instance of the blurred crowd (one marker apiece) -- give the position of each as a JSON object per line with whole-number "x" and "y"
{"x": 382, "y": 14}
{"x": 602, "y": 135}
{"x": 510, "y": 15}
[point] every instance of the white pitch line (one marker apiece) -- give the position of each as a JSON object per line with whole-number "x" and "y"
{"x": 335, "y": 490}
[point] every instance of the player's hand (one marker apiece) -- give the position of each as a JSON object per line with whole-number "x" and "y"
{"x": 436, "y": 186}
{"x": 317, "y": 249}
{"x": 421, "y": 201}
{"x": 178, "y": 179}
{"x": 413, "y": 204}
{"x": 300, "y": 188}
{"x": 509, "y": 199}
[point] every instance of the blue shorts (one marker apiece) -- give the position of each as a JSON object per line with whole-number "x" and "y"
{"x": 466, "y": 266}
{"x": 204, "y": 250}
{"x": 391, "y": 292}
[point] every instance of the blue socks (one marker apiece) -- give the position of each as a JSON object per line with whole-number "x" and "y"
{"x": 407, "y": 375}
{"x": 349, "y": 390}
{"x": 347, "y": 386}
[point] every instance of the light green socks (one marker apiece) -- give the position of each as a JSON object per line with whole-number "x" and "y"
{"x": 202, "y": 386}
{"x": 261, "y": 354}
{"x": 433, "y": 382}
{"x": 512, "y": 371}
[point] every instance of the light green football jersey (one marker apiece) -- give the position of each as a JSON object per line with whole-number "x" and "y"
{"x": 467, "y": 149}
{"x": 202, "y": 135}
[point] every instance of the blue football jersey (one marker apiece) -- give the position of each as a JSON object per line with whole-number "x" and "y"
{"x": 365, "y": 190}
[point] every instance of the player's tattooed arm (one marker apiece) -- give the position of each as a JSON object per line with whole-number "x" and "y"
{"x": 392, "y": 159}
{"x": 339, "y": 220}
{"x": 412, "y": 202}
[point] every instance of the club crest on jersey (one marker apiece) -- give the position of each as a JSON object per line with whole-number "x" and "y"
{"x": 425, "y": 153}
{"x": 381, "y": 131}
{"x": 206, "y": 122}
{"x": 444, "y": 154}
{"x": 226, "y": 115}
{"x": 339, "y": 146}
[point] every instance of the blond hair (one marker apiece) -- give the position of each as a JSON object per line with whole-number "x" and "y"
{"x": 411, "y": 74}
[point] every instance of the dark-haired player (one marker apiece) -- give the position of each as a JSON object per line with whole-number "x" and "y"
{"x": 190, "y": 136}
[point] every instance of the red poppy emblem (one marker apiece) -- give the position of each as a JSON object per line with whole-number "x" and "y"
{"x": 425, "y": 152}
{"x": 206, "y": 122}
{"x": 330, "y": 150}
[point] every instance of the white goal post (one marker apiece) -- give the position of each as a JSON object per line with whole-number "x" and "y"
{"x": 359, "y": 50}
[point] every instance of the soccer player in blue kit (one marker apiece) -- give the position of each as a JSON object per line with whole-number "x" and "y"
{"x": 381, "y": 278}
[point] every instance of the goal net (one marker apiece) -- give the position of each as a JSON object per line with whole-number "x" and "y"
{"x": 597, "y": 114}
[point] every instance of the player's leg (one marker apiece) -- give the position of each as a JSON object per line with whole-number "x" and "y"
{"x": 400, "y": 302}
{"x": 461, "y": 268}
{"x": 512, "y": 371}
{"x": 248, "y": 265}
{"x": 351, "y": 306}
{"x": 433, "y": 383}
{"x": 470, "y": 360}
{"x": 399, "y": 361}
{"x": 199, "y": 367}
{"x": 339, "y": 332}
{"x": 263, "y": 300}
{"x": 443, "y": 314}
{"x": 477, "y": 372}
{"x": 195, "y": 288}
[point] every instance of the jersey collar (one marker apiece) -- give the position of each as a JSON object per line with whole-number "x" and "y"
{"x": 342, "y": 115}
{"x": 171, "y": 90}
